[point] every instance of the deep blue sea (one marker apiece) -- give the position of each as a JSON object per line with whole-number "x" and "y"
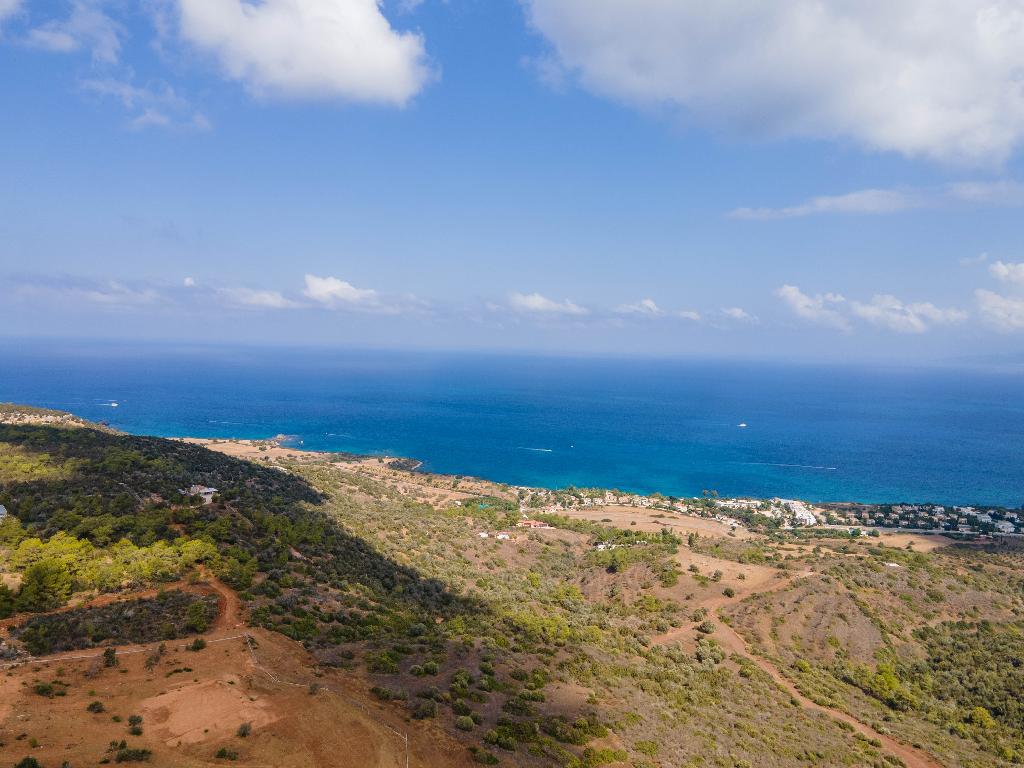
{"x": 818, "y": 433}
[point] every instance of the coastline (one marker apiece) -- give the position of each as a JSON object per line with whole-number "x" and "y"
{"x": 737, "y": 513}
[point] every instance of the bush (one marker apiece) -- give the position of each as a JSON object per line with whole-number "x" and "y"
{"x": 464, "y": 723}
{"x": 226, "y": 754}
{"x": 110, "y": 657}
{"x": 729, "y": 592}
{"x": 244, "y": 730}
{"x": 27, "y": 762}
{"x": 197, "y": 645}
{"x": 425, "y": 709}
{"x": 132, "y": 755}
{"x": 482, "y": 756}
{"x": 95, "y": 707}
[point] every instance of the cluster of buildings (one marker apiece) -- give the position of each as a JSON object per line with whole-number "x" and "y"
{"x": 507, "y": 535}
{"x": 790, "y": 513}
{"x": 928, "y": 517}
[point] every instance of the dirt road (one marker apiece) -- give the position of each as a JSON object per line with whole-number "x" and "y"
{"x": 733, "y": 643}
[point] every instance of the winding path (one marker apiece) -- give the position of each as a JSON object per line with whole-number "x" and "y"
{"x": 732, "y": 642}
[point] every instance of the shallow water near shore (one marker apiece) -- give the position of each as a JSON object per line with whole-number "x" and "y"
{"x": 818, "y": 433}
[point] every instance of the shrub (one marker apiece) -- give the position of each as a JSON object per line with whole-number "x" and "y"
{"x": 244, "y": 730}
{"x": 226, "y": 754}
{"x": 425, "y": 709}
{"x": 132, "y": 755}
{"x": 110, "y": 657}
{"x": 729, "y": 592}
{"x": 464, "y": 723}
{"x": 197, "y": 645}
{"x": 27, "y": 762}
{"x": 95, "y": 707}
{"x": 387, "y": 694}
{"x": 482, "y": 756}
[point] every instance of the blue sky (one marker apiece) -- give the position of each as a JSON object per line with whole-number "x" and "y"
{"x": 801, "y": 180}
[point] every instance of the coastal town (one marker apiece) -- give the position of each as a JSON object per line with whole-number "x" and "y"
{"x": 787, "y": 514}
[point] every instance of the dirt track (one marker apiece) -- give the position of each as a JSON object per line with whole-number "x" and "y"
{"x": 731, "y": 641}
{"x": 194, "y": 702}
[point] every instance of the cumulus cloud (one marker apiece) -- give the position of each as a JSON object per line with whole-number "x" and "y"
{"x": 539, "y": 304}
{"x": 1004, "y": 313}
{"x": 818, "y": 309}
{"x": 330, "y": 49}
{"x": 332, "y": 292}
{"x": 917, "y": 77}
{"x": 887, "y": 311}
{"x": 1007, "y": 273}
{"x": 258, "y": 299}
{"x": 189, "y": 282}
{"x": 87, "y": 26}
{"x": 738, "y": 313}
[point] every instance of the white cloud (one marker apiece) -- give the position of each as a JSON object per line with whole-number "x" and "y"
{"x": 689, "y": 314}
{"x": 866, "y": 201}
{"x": 642, "y": 307}
{"x": 87, "y": 26}
{"x": 738, "y": 313}
{"x": 970, "y": 261}
{"x": 111, "y": 294}
{"x": 818, "y": 309}
{"x": 1004, "y": 313}
{"x": 156, "y": 105}
{"x": 1000, "y": 193}
{"x": 884, "y": 201}
{"x": 189, "y": 282}
{"x": 332, "y": 292}
{"x": 309, "y": 48}
{"x": 246, "y": 297}
{"x": 536, "y": 303}
{"x": 887, "y": 311}
{"x": 919, "y": 77}
{"x": 8, "y": 8}
{"x": 1007, "y": 273}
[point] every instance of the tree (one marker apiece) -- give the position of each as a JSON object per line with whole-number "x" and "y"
{"x": 6, "y": 601}
{"x": 47, "y": 584}
{"x": 195, "y": 617}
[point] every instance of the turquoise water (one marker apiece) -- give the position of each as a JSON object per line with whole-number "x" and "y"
{"x": 858, "y": 434}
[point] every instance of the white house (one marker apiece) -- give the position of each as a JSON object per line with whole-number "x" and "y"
{"x": 201, "y": 490}
{"x": 3, "y": 511}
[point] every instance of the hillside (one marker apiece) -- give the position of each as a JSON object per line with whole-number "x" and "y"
{"x": 355, "y": 604}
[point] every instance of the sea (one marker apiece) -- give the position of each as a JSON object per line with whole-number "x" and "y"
{"x": 680, "y": 427}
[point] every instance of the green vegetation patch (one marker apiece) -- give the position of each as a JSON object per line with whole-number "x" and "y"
{"x": 168, "y": 615}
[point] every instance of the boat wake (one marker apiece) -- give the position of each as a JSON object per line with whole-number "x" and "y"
{"x": 790, "y": 466}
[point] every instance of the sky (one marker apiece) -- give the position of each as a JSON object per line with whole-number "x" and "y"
{"x": 803, "y": 179}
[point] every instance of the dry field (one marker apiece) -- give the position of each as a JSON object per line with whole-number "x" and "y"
{"x": 192, "y": 704}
